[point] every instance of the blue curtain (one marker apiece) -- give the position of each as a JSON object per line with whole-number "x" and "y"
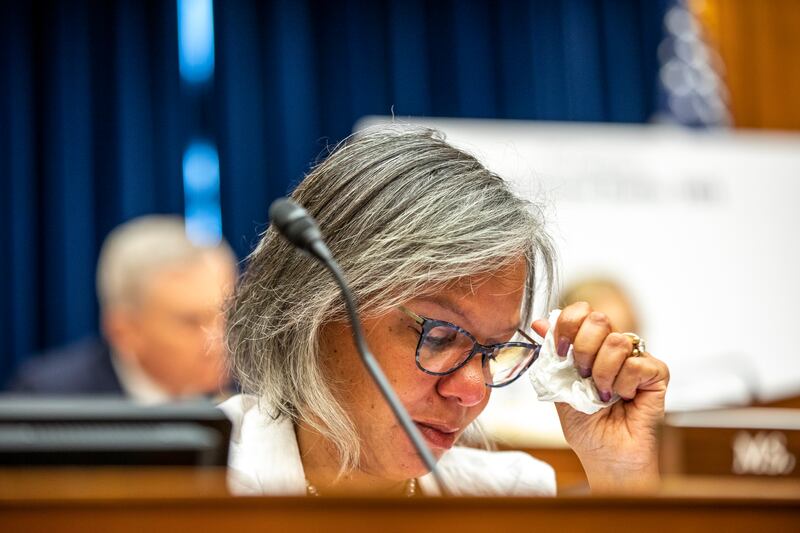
{"x": 94, "y": 118}
{"x": 294, "y": 75}
{"x": 90, "y": 136}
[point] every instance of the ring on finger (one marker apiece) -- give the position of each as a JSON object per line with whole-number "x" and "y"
{"x": 638, "y": 344}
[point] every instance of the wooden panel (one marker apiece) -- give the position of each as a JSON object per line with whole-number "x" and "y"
{"x": 732, "y": 442}
{"x": 111, "y": 483}
{"x": 368, "y": 515}
{"x": 759, "y": 41}
{"x": 717, "y": 487}
{"x": 125, "y": 500}
{"x": 784, "y": 403}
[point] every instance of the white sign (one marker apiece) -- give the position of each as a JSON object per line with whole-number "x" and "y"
{"x": 700, "y": 227}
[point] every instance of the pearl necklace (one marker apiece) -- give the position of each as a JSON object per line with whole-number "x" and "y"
{"x": 410, "y": 491}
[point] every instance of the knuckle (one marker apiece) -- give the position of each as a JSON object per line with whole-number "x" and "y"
{"x": 599, "y": 318}
{"x": 576, "y": 311}
{"x": 579, "y": 307}
{"x": 660, "y": 368}
{"x": 627, "y": 395}
{"x": 635, "y": 364}
{"x": 619, "y": 341}
{"x": 571, "y": 318}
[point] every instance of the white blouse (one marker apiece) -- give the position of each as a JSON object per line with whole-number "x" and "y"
{"x": 265, "y": 459}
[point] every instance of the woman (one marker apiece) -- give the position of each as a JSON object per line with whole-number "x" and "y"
{"x": 442, "y": 258}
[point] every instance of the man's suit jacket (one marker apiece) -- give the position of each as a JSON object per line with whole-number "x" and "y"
{"x": 81, "y": 368}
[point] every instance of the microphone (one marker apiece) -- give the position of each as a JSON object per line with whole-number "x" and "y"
{"x": 300, "y": 229}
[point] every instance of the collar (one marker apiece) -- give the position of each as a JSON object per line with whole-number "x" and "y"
{"x": 136, "y": 383}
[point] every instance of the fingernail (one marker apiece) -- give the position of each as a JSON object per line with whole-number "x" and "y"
{"x": 563, "y": 346}
{"x": 584, "y": 372}
{"x": 604, "y": 396}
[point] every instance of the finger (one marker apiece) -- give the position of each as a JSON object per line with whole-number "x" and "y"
{"x": 540, "y": 326}
{"x": 569, "y": 321}
{"x": 615, "y": 350}
{"x": 593, "y": 331}
{"x": 640, "y": 373}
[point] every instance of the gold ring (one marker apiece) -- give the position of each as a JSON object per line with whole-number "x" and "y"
{"x": 638, "y": 344}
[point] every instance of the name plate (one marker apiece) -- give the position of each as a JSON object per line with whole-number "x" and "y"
{"x": 732, "y": 442}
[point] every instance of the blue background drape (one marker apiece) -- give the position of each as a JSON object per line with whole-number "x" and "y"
{"x": 94, "y": 117}
{"x": 89, "y": 107}
{"x": 294, "y": 75}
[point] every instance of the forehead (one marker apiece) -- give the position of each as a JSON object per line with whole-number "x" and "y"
{"x": 199, "y": 284}
{"x": 503, "y": 281}
{"x": 485, "y": 304}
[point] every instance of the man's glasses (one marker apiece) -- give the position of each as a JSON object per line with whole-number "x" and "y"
{"x": 443, "y": 348}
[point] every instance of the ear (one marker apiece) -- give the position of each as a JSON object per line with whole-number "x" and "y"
{"x": 120, "y": 331}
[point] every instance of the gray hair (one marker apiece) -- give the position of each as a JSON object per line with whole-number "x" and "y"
{"x": 405, "y": 214}
{"x": 139, "y": 248}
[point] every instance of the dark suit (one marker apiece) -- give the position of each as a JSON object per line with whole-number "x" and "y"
{"x": 81, "y": 368}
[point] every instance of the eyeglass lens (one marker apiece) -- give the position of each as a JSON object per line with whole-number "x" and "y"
{"x": 444, "y": 348}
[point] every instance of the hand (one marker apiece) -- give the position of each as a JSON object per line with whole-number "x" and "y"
{"x": 617, "y": 446}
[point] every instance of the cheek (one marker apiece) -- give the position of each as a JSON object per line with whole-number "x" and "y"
{"x": 395, "y": 354}
{"x": 180, "y": 343}
{"x": 354, "y": 386}
{"x": 181, "y": 347}
{"x": 417, "y": 389}
{"x": 344, "y": 372}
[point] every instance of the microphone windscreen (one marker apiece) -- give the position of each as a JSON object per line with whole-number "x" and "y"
{"x": 283, "y": 211}
{"x": 294, "y": 223}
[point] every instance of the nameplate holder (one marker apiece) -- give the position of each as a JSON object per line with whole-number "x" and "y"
{"x": 752, "y": 442}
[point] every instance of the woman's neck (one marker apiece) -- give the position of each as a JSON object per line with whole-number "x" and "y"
{"x": 321, "y": 466}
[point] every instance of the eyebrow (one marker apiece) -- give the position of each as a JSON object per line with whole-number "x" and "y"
{"x": 506, "y": 336}
{"x": 508, "y": 332}
{"x": 450, "y": 307}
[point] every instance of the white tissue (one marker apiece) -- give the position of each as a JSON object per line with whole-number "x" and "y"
{"x": 556, "y": 379}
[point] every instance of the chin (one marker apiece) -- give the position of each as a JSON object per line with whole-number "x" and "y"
{"x": 413, "y": 469}
{"x": 414, "y": 466}
{"x": 401, "y": 462}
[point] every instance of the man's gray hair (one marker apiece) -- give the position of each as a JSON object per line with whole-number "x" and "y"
{"x": 139, "y": 248}
{"x": 405, "y": 214}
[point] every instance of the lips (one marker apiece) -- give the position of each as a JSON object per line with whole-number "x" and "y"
{"x": 437, "y": 435}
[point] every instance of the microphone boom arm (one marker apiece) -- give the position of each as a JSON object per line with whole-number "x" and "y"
{"x": 300, "y": 229}
{"x": 319, "y": 250}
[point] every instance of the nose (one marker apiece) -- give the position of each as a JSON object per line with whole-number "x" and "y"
{"x": 466, "y": 385}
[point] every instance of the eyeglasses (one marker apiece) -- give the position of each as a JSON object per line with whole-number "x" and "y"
{"x": 443, "y": 348}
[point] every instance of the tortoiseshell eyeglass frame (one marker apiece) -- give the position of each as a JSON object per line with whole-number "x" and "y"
{"x": 487, "y": 351}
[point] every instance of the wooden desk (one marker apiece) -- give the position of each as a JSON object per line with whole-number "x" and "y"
{"x": 151, "y": 501}
{"x": 369, "y": 515}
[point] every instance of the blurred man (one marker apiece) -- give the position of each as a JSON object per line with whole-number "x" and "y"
{"x": 161, "y": 299}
